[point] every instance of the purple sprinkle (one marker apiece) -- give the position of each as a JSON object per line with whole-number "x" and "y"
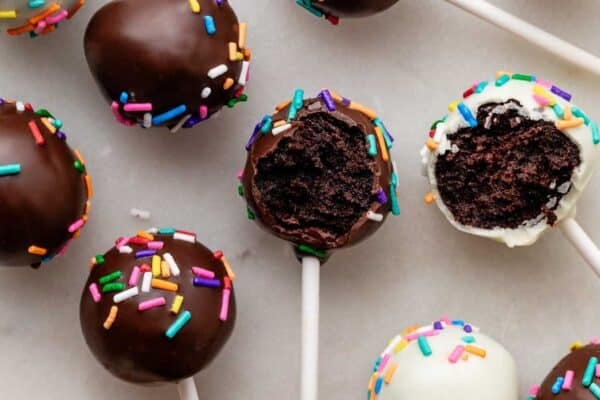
{"x": 346, "y": 101}
{"x": 437, "y": 325}
{"x": 192, "y": 121}
{"x": 1, "y": 101}
{"x": 61, "y": 135}
{"x": 468, "y": 328}
{"x": 145, "y": 253}
{"x": 381, "y": 196}
{"x": 559, "y": 92}
{"x": 211, "y": 283}
{"x": 254, "y": 135}
{"x": 326, "y": 96}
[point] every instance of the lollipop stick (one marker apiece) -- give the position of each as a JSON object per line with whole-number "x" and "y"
{"x": 310, "y": 328}
{"x": 187, "y": 389}
{"x": 582, "y": 242}
{"x": 533, "y": 34}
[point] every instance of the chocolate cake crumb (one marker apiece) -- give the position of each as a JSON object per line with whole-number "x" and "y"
{"x": 320, "y": 178}
{"x": 509, "y": 169}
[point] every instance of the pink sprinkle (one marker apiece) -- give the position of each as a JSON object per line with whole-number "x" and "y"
{"x": 240, "y": 174}
{"x": 415, "y": 336}
{"x": 446, "y": 320}
{"x": 155, "y": 245}
{"x": 598, "y": 371}
{"x": 544, "y": 83}
{"x": 534, "y": 390}
{"x": 64, "y": 248}
{"x": 115, "y": 109}
{"x": 568, "y": 383}
{"x": 122, "y": 242}
{"x": 384, "y": 362}
{"x": 136, "y": 107}
{"x": 203, "y": 273}
{"x": 55, "y": 19}
{"x": 225, "y": 305}
{"x": 95, "y": 292}
{"x": 456, "y": 354}
{"x": 594, "y": 341}
{"x": 40, "y": 27}
{"x": 148, "y": 304}
{"x": 541, "y": 100}
{"x": 203, "y": 112}
{"x": 134, "y": 278}
{"x": 76, "y": 225}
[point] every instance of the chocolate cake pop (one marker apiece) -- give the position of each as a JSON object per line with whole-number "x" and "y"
{"x": 45, "y": 190}
{"x": 575, "y": 377}
{"x": 511, "y": 158}
{"x": 333, "y": 9}
{"x": 158, "y": 306}
{"x": 36, "y": 17}
{"x": 319, "y": 173}
{"x": 168, "y": 63}
{"x": 449, "y": 359}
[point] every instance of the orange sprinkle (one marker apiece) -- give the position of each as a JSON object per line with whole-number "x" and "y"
{"x": 228, "y": 83}
{"x": 164, "y": 285}
{"x": 500, "y": 73}
{"x": 283, "y": 105}
{"x": 165, "y": 271}
{"x": 242, "y": 39}
{"x": 390, "y": 373}
{"x": 79, "y": 156}
{"x": 112, "y": 316}
{"x": 465, "y": 357}
{"x": 572, "y": 123}
{"x": 37, "y": 135}
{"x": 49, "y": 29}
{"x": 247, "y": 54}
{"x": 475, "y": 350}
{"x": 145, "y": 235}
{"x": 20, "y": 30}
{"x": 232, "y": 51}
{"x": 431, "y": 145}
{"x": 48, "y": 125}
{"x": 228, "y": 268}
{"x": 429, "y": 198}
{"x": 568, "y": 113}
{"x": 38, "y": 251}
{"x": 90, "y": 188}
{"x": 88, "y": 206}
{"x": 373, "y": 380}
{"x": 384, "y": 151}
{"x": 371, "y": 114}
{"x": 279, "y": 123}
{"x": 75, "y": 9}
{"x": 76, "y": 234}
{"x": 46, "y": 13}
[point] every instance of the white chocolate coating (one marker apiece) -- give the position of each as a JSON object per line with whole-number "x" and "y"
{"x": 434, "y": 377}
{"x": 27, "y": 14}
{"x": 522, "y": 91}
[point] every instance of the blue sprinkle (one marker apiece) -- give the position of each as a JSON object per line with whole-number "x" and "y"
{"x": 467, "y": 115}
{"x": 378, "y": 384}
{"x": 169, "y": 115}
{"x": 556, "y": 388}
{"x": 179, "y": 323}
{"x": 266, "y": 124}
{"x": 595, "y": 132}
{"x": 167, "y": 231}
{"x": 502, "y": 80}
{"x": 309, "y": 8}
{"x": 558, "y": 110}
{"x": 36, "y": 3}
{"x": 424, "y": 346}
{"x": 468, "y": 339}
{"x": 394, "y": 201}
{"x": 298, "y": 99}
{"x": 580, "y": 114}
{"x": 372, "y": 145}
{"x": 481, "y": 87}
{"x": 209, "y": 24}
{"x": 124, "y": 98}
{"x": 389, "y": 139}
{"x": 458, "y": 322}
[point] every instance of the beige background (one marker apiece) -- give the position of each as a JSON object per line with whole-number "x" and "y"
{"x": 409, "y": 63}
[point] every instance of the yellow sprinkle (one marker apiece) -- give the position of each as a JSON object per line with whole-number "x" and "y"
{"x": 228, "y": 83}
{"x": 88, "y": 206}
{"x": 195, "y": 6}
{"x": 576, "y": 346}
{"x": 279, "y": 123}
{"x": 429, "y": 198}
{"x": 176, "y": 306}
{"x": 89, "y": 187}
{"x": 9, "y": 14}
{"x": 384, "y": 151}
{"x": 145, "y": 235}
{"x": 568, "y": 113}
{"x": 336, "y": 96}
{"x": 112, "y": 316}
{"x": 475, "y": 350}
{"x": 465, "y": 356}
{"x": 283, "y": 105}
{"x": 371, "y": 114}
{"x": 431, "y": 145}
{"x": 452, "y": 106}
{"x": 373, "y": 380}
{"x": 232, "y": 51}
{"x": 155, "y": 266}
{"x": 572, "y": 123}
{"x": 165, "y": 271}
{"x": 242, "y": 39}
{"x": 390, "y": 373}
{"x": 48, "y": 125}
{"x": 500, "y": 73}
{"x": 38, "y": 251}
{"x": 539, "y": 90}
{"x": 164, "y": 285}
{"x": 400, "y": 346}
{"x": 228, "y": 268}
{"x": 239, "y": 56}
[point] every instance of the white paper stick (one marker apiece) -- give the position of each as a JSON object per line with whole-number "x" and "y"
{"x": 310, "y": 328}
{"x": 582, "y": 242}
{"x": 187, "y": 389}
{"x": 533, "y": 34}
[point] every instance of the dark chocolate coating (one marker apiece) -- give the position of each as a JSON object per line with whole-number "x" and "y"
{"x": 352, "y": 8}
{"x": 135, "y": 348}
{"x": 577, "y": 362}
{"x": 159, "y": 52}
{"x": 309, "y": 234}
{"x": 38, "y": 205}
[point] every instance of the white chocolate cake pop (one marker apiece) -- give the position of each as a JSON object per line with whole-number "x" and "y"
{"x": 36, "y": 17}
{"x": 510, "y": 159}
{"x": 448, "y": 359}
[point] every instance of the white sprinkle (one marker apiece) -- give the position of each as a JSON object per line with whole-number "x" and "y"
{"x": 395, "y": 168}
{"x": 564, "y": 188}
{"x": 217, "y": 71}
{"x": 125, "y": 250}
{"x": 152, "y": 230}
{"x": 374, "y": 216}
{"x": 454, "y": 149}
{"x": 172, "y": 264}
{"x": 206, "y": 92}
{"x": 315, "y": 106}
{"x": 280, "y": 129}
{"x": 20, "y": 106}
{"x": 126, "y": 294}
{"x": 183, "y": 120}
{"x": 146, "y": 281}
{"x": 184, "y": 237}
{"x": 147, "y": 120}
{"x": 244, "y": 74}
{"x": 138, "y": 213}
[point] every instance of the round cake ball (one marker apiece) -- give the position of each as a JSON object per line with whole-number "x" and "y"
{"x": 36, "y": 17}
{"x": 575, "y": 377}
{"x": 511, "y": 158}
{"x": 168, "y": 63}
{"x": 319, "y": 173}
{"x": 332, "y": 9}
{"x": 449, "y": 359}
{"x": 44, "y": 187}
{"x": 158, "y": 306}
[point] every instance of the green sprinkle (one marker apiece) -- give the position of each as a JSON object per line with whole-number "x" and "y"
{"x": 232, "y": 102}
{"x": 595, "y": 132}
{"x": 424, "y": 346}
{"x": 251, "y": 215}
{"x": 558, "y": 110}
{"x": 99, "y": 259}
{"x": 241, "y": 190}
{"x": 167, "y": 231}
{"x": 113, "y": 276}
{"x": 304, "y": 248}
{"x": 502, "y": 80}
{"x": 468, "y": 339}
{"x": 590, "y": 371}
{"x": 44, "y": 113}
{"x": 179, "y": 323}
{"x": 372, "y": 145}
{"x": 523, "y": 77}
{"x": 580, "y": 114}
{"x": 436, "y": 123}
{"x": 79, "y": 166}
{"x": 113, "y": 287}
{"x": 595, "y": 389}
